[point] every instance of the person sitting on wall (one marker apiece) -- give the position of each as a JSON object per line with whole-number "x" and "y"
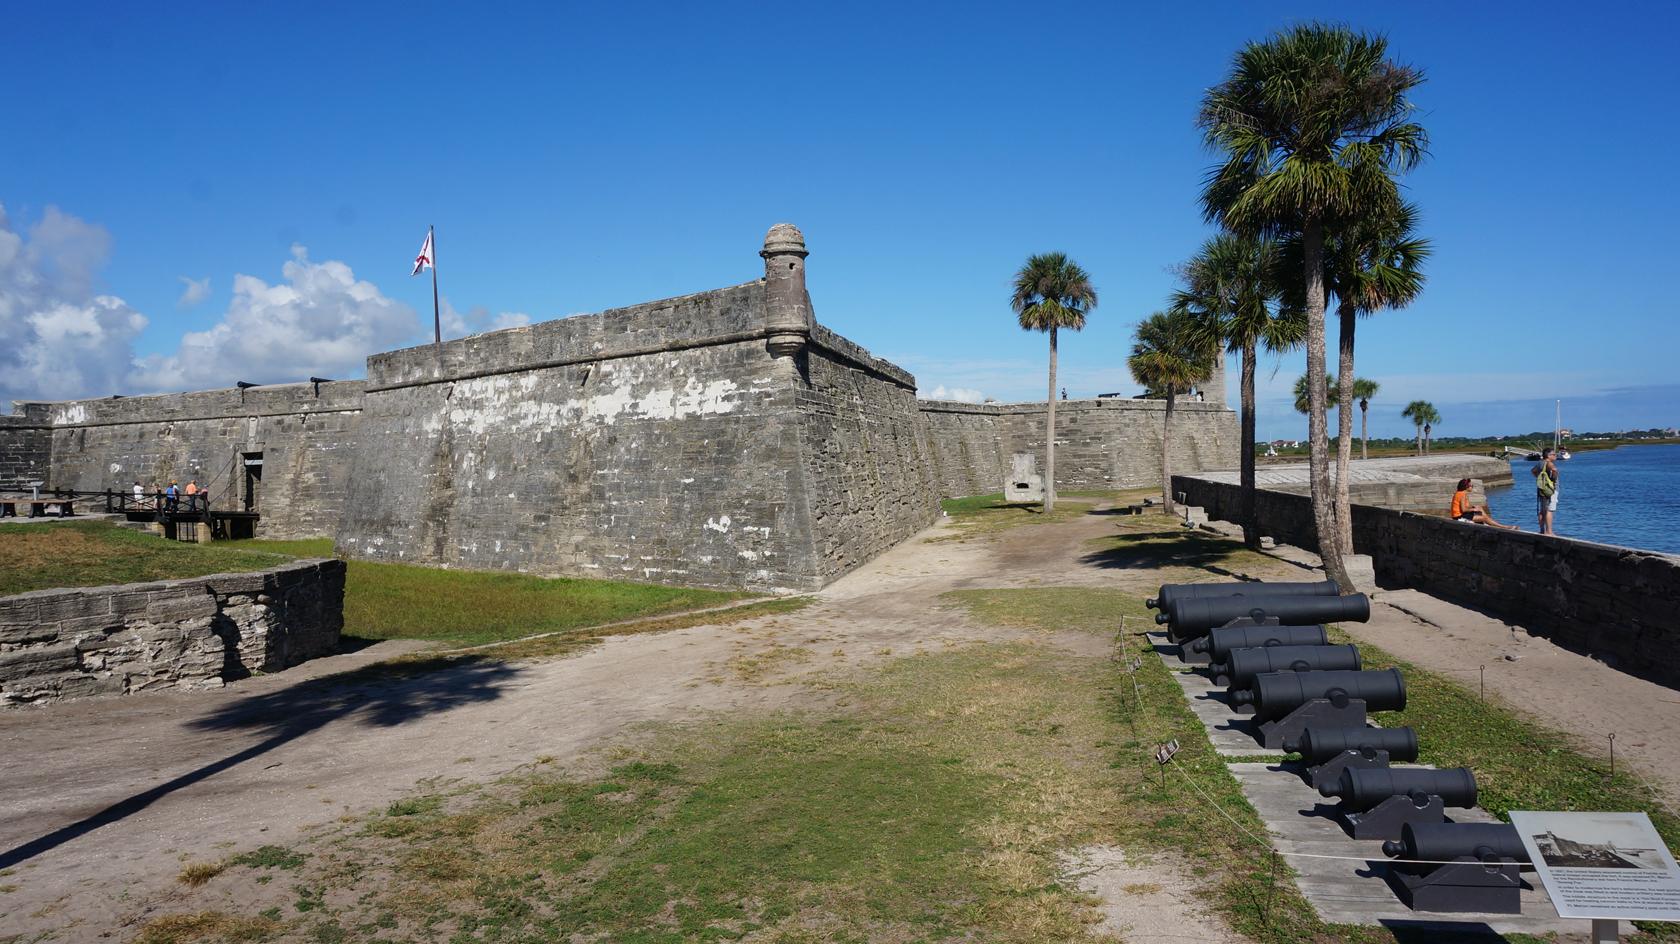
{"x": 1462, "y": 510}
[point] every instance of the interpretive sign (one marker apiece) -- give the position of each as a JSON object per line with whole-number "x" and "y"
{"x": 1602, "y": 865}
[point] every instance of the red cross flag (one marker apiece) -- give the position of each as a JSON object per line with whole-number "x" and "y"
{"x": 425, "y": 259}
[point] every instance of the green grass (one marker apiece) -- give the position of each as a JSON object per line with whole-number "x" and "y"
{"x": 94, "y": 553}
{"x": 980, "y": 515}
{"x": 933, "y": 805}
{"x": 468, "y": 607}
{"x": 381, "y": 601}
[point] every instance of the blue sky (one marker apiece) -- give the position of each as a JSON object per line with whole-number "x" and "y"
{"x": 580, "y": 157}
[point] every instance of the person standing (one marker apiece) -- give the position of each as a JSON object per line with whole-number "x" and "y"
{"x": 171, "y": 496}
{"x": 192, "y": 495}
{"x": 1546, "y": 490}
{"x": 139, "y": 494}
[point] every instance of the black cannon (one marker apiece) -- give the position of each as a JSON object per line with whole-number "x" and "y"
{"x": 1218, "y": 643}
{"x": 1327, "y": 752}
{"x": 1287, "y": 703}
{"x": 1443, "y": 842}
{"x": 1378, "y": 802}
{"x": 1244, "y": 664}
{"x": 1250, "y": 588}
{"x": 1317, "y": 745}
{"x": 1188, "y": 619}
{"x": 1482, "y": 871}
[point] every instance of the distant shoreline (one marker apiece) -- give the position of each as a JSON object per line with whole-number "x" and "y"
{"x": 1484, "y": 448}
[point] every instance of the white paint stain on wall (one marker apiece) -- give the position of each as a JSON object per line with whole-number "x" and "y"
{"x": 506, "y": 403}
{"x": 71, "y": 414}
{"x": 719, "y": 524}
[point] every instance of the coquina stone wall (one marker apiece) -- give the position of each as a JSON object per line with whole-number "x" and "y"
{"x": 715, "y": 439}
{"x": 305, "y": 433}
{"x": 188, "y": 634}
{"x": 1100, "y": 444}
{"x": 1610, "y": 602}
{"x": 25, "y": 448}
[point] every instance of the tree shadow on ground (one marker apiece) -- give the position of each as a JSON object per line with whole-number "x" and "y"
{"x": 381, "y": 695}
{"x": 1151, "y": 549}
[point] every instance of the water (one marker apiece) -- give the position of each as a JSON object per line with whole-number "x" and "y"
{"x": 1628, "y": 496}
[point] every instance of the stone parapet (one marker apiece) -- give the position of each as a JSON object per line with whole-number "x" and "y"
{"x": 188, "y": 634}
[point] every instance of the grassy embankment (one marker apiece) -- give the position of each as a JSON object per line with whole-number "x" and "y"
{"x": 382, "y": 601}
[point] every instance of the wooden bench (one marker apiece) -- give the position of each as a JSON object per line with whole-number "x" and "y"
{"x": 37, "y": 506}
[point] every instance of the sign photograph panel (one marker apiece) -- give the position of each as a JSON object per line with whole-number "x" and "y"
{"x": 1602, "y": 865}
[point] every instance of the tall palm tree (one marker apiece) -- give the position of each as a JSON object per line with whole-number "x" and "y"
{"x": 1424, "y": 416}
{"x": 1373, "y": 264}
{"x": 1171, "y": 353}
{"x": 1429, "y": 429}
{"x": 1052, "y": 292}
{"x": 1232, "y": 291}
{"x": 1363, "y": 391}
{"x": 1313, "y": 124}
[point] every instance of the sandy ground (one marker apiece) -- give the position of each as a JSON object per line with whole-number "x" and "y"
{"x": 106, "y": 799}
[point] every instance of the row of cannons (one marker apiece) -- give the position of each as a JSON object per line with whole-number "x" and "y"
{"x": 1266, "y": 643}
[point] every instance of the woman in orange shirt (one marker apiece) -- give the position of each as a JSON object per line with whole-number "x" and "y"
{"x": 1462, "y": 510}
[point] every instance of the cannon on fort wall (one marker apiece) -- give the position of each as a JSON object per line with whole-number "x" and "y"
{"x": 1189, "y": 619}
{"x": 1218, "y": 643}
{"x": 1287, "y": 703}
{"x": 1483, "y": 859}
{"x": 1326, "y": 752}
{"x": 1239, "y": 670}
{"x": 1252, "y": 588}
{"x": 1378, "y": 802}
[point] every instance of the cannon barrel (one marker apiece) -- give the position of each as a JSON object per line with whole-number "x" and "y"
{"x": 1443, "y": 842}
{"x": 1317, "y": 745}
{"x": 1275, "y": 694}
{"x": 1244, "y": 664}
{"x": 1251, "y": 588}
{"x": 1218, "y": 643}
{"x": 1361, "y": 789}
{"x": 1191, "y": 618}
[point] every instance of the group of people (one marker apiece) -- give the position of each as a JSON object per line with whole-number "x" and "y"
{"x": 1545, "y": 474}
{"x": 171, "y": 498}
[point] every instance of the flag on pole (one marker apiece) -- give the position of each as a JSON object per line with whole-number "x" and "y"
{"x": 426, "y": 258}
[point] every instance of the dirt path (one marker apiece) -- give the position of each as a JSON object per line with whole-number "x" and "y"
{"x": 105, "y": 800}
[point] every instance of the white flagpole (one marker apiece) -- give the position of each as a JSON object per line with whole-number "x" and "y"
{"x": 437, "y": 324}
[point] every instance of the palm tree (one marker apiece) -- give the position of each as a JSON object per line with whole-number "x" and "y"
{"x": 1373, "y": 264}
{"x": 1052, "y": 292}
{"x": 1313, "y": 124}
{"x": 1172, "y": 353}
{"x": 1363, "y": 391}
{"x": 1303, "y": 400}
{"x": 1232, "y": 291}
{"x": 1424, "y": 416}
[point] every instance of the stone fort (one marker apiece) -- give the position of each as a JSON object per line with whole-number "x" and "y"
{"x": 720, "y": 439}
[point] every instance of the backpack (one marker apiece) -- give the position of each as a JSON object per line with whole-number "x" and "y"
{"x": 1544, "y": 483}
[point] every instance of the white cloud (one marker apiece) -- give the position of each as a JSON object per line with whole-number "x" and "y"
{"x": 196, "y": 290}
{"x": 960, "y": 394}
{"x": 58, "y": 339}
{"x": 320, "y": 321}
{"x": 476, "y": 320}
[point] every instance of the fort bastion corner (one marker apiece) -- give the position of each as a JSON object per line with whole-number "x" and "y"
{"x": 723, "y": 438}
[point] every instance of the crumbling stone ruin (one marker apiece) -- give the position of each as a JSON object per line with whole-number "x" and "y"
{"x": 721, "y": 439}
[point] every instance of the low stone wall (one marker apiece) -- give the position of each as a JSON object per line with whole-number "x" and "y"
{"x": 191, "y": 634}
{"x": 1613, "y": 603}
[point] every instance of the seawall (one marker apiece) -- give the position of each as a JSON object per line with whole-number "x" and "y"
{"x": 1610, "y": 602}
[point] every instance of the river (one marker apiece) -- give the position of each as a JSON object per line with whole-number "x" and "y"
{"x": 1628, "y": 496}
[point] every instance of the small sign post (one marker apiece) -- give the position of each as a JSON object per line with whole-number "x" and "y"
{"x": 1605, "y": 867}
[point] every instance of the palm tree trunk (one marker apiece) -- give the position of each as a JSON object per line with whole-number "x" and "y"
{"x": 1166, "y": 451}
{"x": 1364, "y": 430}
{"x": 1318, "y": 459}
{"x": 1251, "y": 527}
{"x": 1050, "y": 433}
{"x": 1420, "y": 440}
{"x": 1344, "y": 423}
